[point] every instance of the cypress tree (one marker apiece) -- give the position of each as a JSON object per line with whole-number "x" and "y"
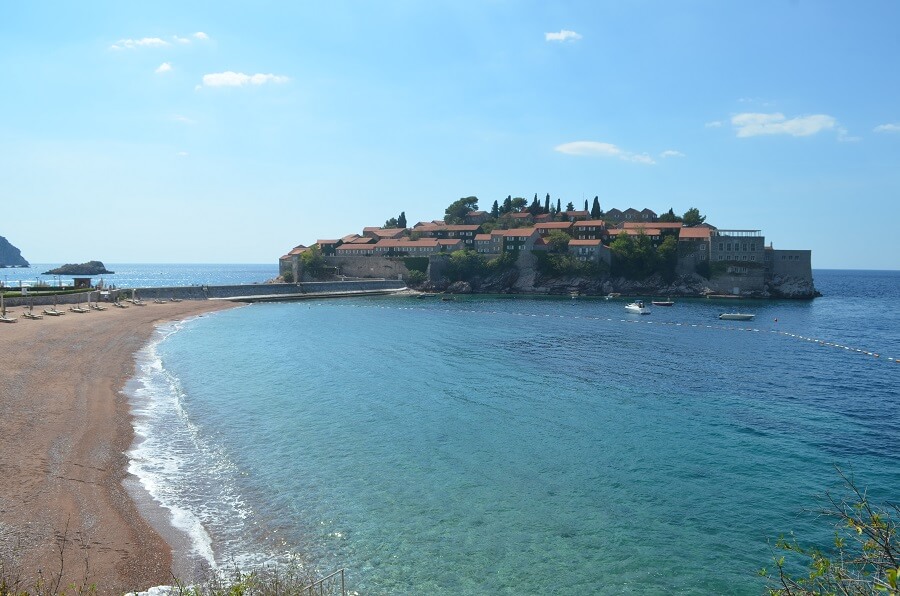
{"x": 495, "y": 210}
{"x": 401, "y": 221}
{"x": 596, "y": 212}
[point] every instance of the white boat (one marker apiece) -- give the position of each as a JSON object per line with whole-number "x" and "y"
{"x": 735, "y": 316}
{"x": 638, "y": 308}
{"x": 663, "y": 303}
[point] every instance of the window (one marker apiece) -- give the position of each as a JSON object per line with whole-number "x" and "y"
{"x": 752, "y": 247}
{"x": 729, "y": 247}
{"x": 702, "y": 257}
{"x": 752, "y": 257}
{"x": 721, "y": 258}
{"x": 744, "y": 246}
{"x": 702, "y": 246}
{"x": 721, "y": 246}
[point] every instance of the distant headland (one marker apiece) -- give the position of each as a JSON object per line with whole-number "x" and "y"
{"x": 89, "y": 268}
{"x": 10, "y": 256}
{"x": 522, "y": 248}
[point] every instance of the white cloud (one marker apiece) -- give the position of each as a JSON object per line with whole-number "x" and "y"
{"x": 182, "y": 40}
{"x": 563, "y": 35}
{"x": 714, "y": 124}
{"x": 144, "y": 42}
{"x": 887, "y": 128}
{"x": 182, "y": 154}
{"x": 239, "y": 79}
{"x": 201, "y": 36}
{"x": 183, "y": 119}
{"x": 164, "y": 67}
{"x": 671, "y": 153}
{"x": 596, "y": 148}
{"x": 754, "y": 124}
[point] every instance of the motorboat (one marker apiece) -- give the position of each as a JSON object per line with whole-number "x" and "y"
{"x": 638, "y": 308}
{"x": 612, "y": 295}
{"x": 736, "y": 316}
{"x": 663, "y": 303}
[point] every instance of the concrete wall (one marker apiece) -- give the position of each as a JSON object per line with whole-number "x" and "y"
{"x": 207, "y": 292}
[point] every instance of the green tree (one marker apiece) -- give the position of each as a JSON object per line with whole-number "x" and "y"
{"x": 558, "y": 209}
{"x": 519, "y": 204}
{"x": 692, "y": 217}
{"x": 535, "y": 207}
{"x": 669, "y": 217}
{"x": 596, "y": 211}
{"x": 633, "y": 256}
{"x": 312, "y": 261}
{"x": 464, "y": 265}
{"x": 864, "y": 559}
{"x": 391, "y": 223}
{"x": 667, "y": 257}
{"x": 558, "y": 241}
{"x": 401, "y": 221}
{"x": 585, "y": 205}
{"x": 570, "y": 206}
{"x": 547, "y": 203}
{"x": 507, "y": 205}
{"x": 495, "y": 210}
{"x": 457, "y": 211}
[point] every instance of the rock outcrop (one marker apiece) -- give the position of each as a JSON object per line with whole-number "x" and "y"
{"x": 10, "y": 256}
{"x": 89, "y": 268}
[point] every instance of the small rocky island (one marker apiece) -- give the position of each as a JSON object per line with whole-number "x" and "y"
{"x": 89, "y": 268}
{"x": 10, "y": 256}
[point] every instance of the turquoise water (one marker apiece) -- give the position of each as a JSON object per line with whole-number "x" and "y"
{"x": 521, "y": 446}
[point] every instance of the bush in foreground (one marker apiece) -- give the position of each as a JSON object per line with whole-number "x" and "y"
{"x": 865, "y": 557}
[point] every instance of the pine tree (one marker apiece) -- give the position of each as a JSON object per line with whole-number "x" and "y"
{"x": 495, "y": 210}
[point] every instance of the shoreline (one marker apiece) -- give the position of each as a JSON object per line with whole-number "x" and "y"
{"x": 67, "y": 504}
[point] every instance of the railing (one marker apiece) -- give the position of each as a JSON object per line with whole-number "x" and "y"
{"x": 329, "y": 582}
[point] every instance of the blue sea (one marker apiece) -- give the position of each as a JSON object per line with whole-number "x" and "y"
{"x": 148, "y": 275}
{"x": 509, "y": 445}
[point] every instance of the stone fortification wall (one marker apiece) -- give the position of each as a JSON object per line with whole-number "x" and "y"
{"x": 380, "y": 267}
{"x": 751, "y": 282}
{"x": 792, "y": 263}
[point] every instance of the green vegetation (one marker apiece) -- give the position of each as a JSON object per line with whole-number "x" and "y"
{"x": 692, "y": 217}
{"x": 457, "y": 211}
{"x": 396, "y": 222}
{"x": 465, "y": 265}
{"x": 566, "y": 265}
{"x": 313, "y": 262}
{"x": 416, "y": 277}
{"x": 864, "y": 558}
{"x": 419, "y": 264}
{"x": 288, "y": 277}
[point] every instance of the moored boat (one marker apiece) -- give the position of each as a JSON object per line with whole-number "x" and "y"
{"x": 736, "y": 316}
{"x": 638, "y": 308}
{"x": 663, "y": 303}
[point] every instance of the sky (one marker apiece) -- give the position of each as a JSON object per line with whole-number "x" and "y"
{"x": 230, "y": 132}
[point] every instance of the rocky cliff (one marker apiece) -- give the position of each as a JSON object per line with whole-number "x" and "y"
{"x": 10, "y": 256}
{"x": 513, "y": 281}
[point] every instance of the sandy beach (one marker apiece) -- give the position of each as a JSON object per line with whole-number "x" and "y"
{"x": 64, "y": 430}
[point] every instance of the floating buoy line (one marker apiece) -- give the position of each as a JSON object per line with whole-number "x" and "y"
{"x": 644, "y": 321}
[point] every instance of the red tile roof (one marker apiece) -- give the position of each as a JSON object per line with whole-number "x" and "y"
{"x": 554, "y": 225}
{"x": 595, "y": 242}
{"x": 694, "y": 233}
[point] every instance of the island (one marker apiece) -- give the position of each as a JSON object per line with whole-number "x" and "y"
{"x": 522, "y": 248}
{"x": 89, "y": 268}
{"x": 10, "y": 256}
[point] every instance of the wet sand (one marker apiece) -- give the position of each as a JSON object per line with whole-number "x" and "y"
{"x": 64, "y": 429}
